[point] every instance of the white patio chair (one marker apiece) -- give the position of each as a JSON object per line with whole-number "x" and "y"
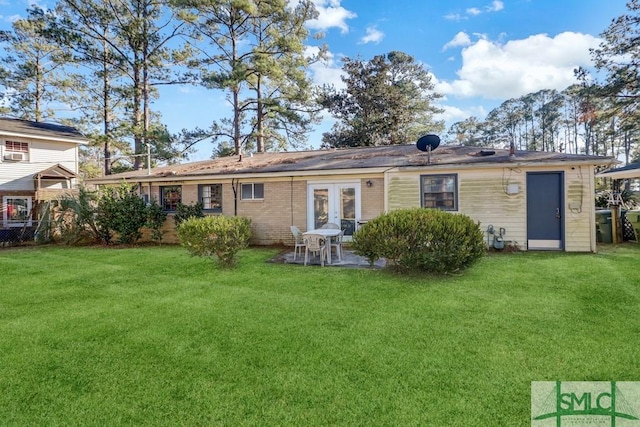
{"x": 298, "y": 241}
{"x": 314, "y": 243}
{"x": 336, "y": 242}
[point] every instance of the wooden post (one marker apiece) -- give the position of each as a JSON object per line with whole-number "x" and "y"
{"x": 615, "y": 223}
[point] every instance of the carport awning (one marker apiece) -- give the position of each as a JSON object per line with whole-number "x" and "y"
{"x": 627, "y": 172}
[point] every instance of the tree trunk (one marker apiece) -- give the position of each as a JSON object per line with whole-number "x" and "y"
{"x": 105, "y": 111}
{"x": 259, "y": 119}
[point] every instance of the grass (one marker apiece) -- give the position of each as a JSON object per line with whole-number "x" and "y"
{"x": 152, "y": 336}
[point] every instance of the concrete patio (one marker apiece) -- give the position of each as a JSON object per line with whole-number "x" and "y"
{"x": 349, "y": 260}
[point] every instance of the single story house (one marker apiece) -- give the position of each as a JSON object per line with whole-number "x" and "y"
{"x": 38, "y": 163}
{"x": 542, "y": 200}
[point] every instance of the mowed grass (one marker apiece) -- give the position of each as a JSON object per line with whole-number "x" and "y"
{"x": 152, "y": 336}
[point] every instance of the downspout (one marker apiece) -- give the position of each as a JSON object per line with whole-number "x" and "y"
{"x": 291, "y": 199}
{"x": 234, "y": 187}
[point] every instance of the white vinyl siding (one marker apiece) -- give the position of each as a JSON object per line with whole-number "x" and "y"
{"x": 18, "y": 176}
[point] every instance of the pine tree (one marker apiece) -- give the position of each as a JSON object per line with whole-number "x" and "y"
{"x": 387, "y": 100}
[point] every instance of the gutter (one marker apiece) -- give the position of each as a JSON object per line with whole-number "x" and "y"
{"x": 253, "y": 175}
{"x": 47, "y": 138}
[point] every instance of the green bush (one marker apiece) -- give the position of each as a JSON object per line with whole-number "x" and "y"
{"x": 184, "y": 212}
{"x": 218, "y": 236}
{"x": 92, "y": 216}
{"x": 75, "y": 219}
{"x": 155, "y": 218}
{"x": 421, "y": 239}
{"x": 121, "y": 210}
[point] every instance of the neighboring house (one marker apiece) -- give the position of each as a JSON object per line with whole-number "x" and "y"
{"x": 543, "y": 200}
{"x": 630, "y": 171}
{"x": 38, "y": 162}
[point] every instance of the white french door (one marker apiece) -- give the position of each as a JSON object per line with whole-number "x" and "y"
{"x": 337, "y": 202}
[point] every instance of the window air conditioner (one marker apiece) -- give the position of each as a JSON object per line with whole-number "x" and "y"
{"x": 14, "y": 156}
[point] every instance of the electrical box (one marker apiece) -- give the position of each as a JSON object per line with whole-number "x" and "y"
{"x": 513, "y": 189}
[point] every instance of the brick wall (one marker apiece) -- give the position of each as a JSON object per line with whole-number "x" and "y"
{"x": 372, "y": 197}
{"x": 284, "y": 204}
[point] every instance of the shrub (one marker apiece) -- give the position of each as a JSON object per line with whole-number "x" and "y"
{"x": 122, "y": 210}
{"x": 184, "y": 212}
{"x": 218, "y": 236}
{"x": 75, "y": 218}
{"x": 155, "y": 218}
{"x": 421, "y": 239}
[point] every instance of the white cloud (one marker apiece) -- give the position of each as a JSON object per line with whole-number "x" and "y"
{"x": 518, "y": 67}
{"x": 451, "y": 114}
{"x": 325, "y": 72}
{"x": 454, "y": 17}
{"x": 331, "y": 14}
{"x": 11, "y": 18}
{"x": 460, "y": 39}
{"x": 373, "y": 36}
{"x": 495, "y": 6}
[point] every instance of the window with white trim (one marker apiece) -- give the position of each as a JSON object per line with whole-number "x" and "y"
{"x": 16, "y": 211}
{"x": 252, "y": 191}
{"x": 440, "y": 192}
{"x": 211, "y": 197}
{"x": 16, "y": 151}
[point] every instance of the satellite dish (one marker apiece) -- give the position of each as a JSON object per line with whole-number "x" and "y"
{"x": 428, "y": 142}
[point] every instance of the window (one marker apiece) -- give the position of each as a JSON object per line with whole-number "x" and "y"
{"x": 17, "y": 147}
{"x": 252, "y": 191}
{"x": 170, "y": 197}
{"x": 16, "y": 151}
{"x": 211, "y": 197}
{"x": 16, "y": 211}
{"x": 440, "y": 192}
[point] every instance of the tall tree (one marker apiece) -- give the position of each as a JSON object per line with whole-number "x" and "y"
{"x": 258, "y": 60}
{"x": 619, "y": 55}
{"x": 387, "y": 100}
{"x": 34, "y": 77}
{"x": 467, "y": 132}
{"x": 282, "y": 102}
{"x": 85, "y": 30}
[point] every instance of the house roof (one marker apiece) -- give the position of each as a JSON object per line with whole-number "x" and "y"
{"x": 336, "y": 160}
{"x": 40, "y": 130}
{"x": 626, "y": 172}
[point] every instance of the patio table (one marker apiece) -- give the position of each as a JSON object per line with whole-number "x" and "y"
{"x": 328, "y": 233}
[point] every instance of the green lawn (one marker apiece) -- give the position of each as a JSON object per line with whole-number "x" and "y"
{"x": 152, "y": 336}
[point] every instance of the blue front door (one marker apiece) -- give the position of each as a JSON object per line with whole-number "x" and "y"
{"x": 545, "y": 222}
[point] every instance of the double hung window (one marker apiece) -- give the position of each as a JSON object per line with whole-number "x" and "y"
{"x": 440, "y": 192}
{"x": 211, "y": 197}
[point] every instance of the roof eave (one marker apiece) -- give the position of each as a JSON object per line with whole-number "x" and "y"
{"x": 252, "y": 175}
{"x": 43, "y": 137}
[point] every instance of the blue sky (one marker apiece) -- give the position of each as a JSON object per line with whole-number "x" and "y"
{"x": 480, "y": 52}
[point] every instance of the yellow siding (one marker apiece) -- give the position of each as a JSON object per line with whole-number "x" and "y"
{"x": 404, "y": 191}
{"x": 579, "y": 210}
{"x": 482, "y": 195}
